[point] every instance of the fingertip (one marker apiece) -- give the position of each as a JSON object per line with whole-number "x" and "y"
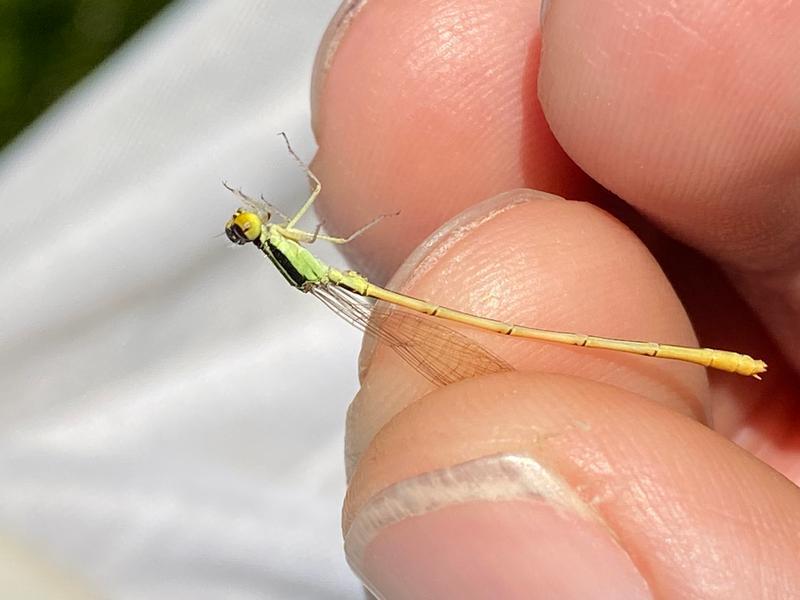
{"x": 429, "y": 107}
{"x": 554, "y": 457}
{"x": 533, "y": 259}
{"x": 682, "y": 110}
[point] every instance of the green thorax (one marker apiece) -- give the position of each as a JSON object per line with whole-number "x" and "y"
{"x": 297, "y": 264}
{"x": 301, "y": 268}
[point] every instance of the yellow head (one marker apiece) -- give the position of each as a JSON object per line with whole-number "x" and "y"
{"x": 243, "y": 227}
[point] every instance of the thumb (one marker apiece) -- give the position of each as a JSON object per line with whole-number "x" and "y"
{"x": 520, "y": 486}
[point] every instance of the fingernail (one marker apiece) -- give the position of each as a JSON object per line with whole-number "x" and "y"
{"x": 330, "y": 43}
{"x": 543, "y": 8}
{"x": 496, "y": 527}
{"x": 456, "y": 229}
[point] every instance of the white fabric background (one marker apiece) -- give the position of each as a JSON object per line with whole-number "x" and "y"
{"x": 172, "y": 412}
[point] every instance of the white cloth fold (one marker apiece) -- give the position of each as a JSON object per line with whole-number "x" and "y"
{"x": 172, "y": 412}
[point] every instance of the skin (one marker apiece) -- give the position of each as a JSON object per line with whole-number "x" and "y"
{"x": 689, "y": 116}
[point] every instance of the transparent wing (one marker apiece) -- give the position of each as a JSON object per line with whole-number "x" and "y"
{"x": 440, "y": 354}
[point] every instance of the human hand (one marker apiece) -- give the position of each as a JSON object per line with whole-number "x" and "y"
{"x": 586, "y": 474}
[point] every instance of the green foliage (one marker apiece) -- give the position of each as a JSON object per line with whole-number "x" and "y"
{"x": 46, "y": 46}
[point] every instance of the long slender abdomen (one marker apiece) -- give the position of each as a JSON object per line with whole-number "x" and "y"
{"x": 724, "y": 360}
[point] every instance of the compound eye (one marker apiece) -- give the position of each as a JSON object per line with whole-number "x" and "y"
{"x": 236, "y": 235}
{"x": 243, "y": 227}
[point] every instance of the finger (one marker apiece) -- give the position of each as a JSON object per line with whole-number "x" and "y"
{"x": 528, "y": 257}
{"x": 555, "y": 486}
{"x": 428, "y": 107}
{"x": 689, "y": 111}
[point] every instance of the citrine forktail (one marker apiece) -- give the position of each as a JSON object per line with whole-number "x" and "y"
{"x": 439, "y": 353}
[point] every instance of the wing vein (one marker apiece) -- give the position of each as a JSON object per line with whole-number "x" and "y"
{"x": 439, "y": 353}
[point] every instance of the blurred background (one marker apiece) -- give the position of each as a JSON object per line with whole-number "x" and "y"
{"x": 159, "y": 434}
{"x": 46, "y": 46}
